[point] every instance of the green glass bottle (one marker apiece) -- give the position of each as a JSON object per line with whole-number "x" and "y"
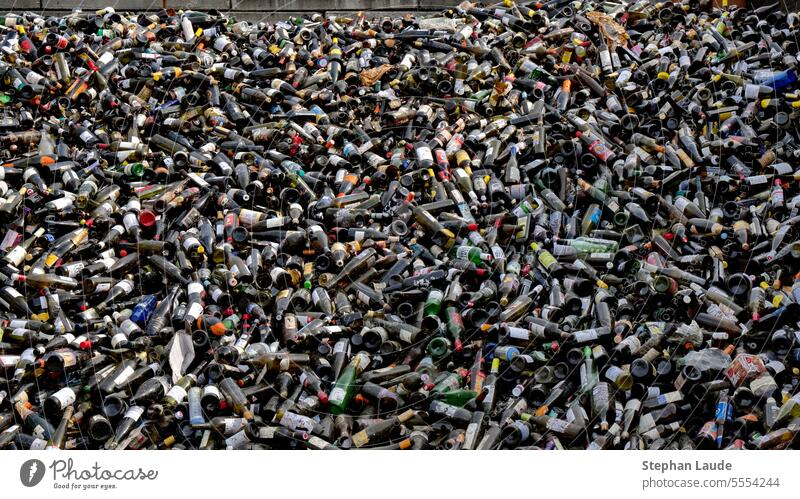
{"x": 471, "y": 253}
{"x": 458, "y": 397}
{"x": 345, "y": 386}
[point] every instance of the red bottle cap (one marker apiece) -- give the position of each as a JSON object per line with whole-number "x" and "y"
{"x": 147, "y": 218}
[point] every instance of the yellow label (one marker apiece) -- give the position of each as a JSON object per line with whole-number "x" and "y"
{"x": 547, "y": 259}
{"x": 51, "y": 259}
{"x": 360, "y": 439}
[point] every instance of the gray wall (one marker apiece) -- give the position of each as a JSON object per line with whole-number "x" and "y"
{"x": 252, "y": 10}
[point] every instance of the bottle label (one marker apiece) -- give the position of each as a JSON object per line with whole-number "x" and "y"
{"x": 73, "y": 269}
{"x": 124, "y": 376}
{"x": 69, "y": 359}
{"x": 194, "y": 312}
{"x": 126, "y": 286}
{"x": 518, "y": 333}
{"x": 16, "y": 255}
{"x": 613, "y": 373}
{"x": 585, "y": 336}
{"x": 130, "y": 220}
{"x": 524, "y": 431}
{"x": 337, "y": 395}
{"x": 360, "y": 439}
{"x": 232, "y": 425}
{"x": 190, "y": 242}
{"x": 134, "y": 413}
{"x": 237, "y": 440}
{"x": 220, "y": 43}
{"x": 248, "y": 217}
{"x": 646, "y": 422}
{"x": 65, "y": 397}
{"x": 497, "y": 252}
{"x": 557, "y": 425}
{"x": 118, "y": 339}
{"x": 177, "y": 393}
{"x": 406, "y": 335}
{"x": 195, "y": 288}
{"x": 39, "y": 444}
{"x": 38, "y": 432}
{"x": 296, "y": 421}
{"x": 751, "y": 91}
{"x": 86, "y": 136}
{"x": 446, "y": 409}
{"x": 211, "y": 390}
{"x": 267, "y": 433}
{"x": 128, "y": 327}
{"x": 61, "y": 203}
{"x": 546, "y": 259}
{"x": 424, "y": 154}
{"x": 317, "y": 443}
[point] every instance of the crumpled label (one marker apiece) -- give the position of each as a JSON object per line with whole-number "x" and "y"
{"x": 181, "y": 354}
{"x": 438, "y": 23}
{"x": 611, "y": 29}
{"x": 744, "y": 367}
{"x": 370, "y": 76}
